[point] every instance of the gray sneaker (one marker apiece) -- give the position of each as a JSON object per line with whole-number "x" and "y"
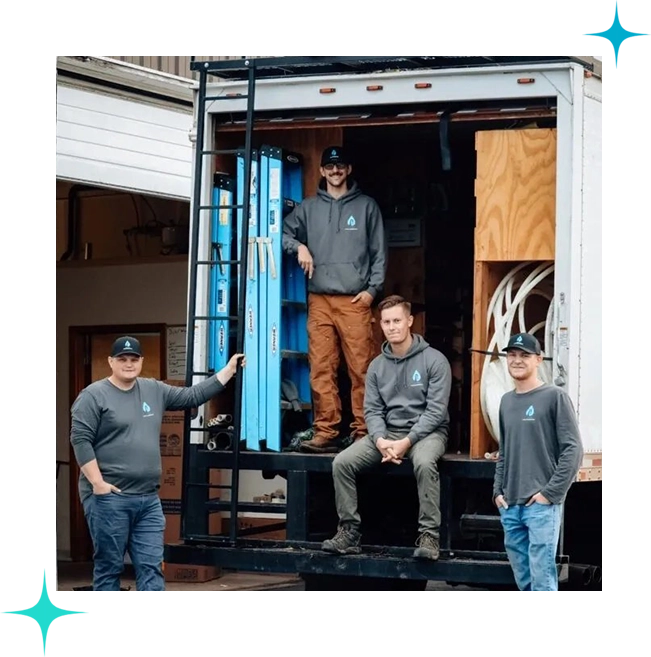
{"x": 345, "y": 541}
{"x": 428, "y": 547}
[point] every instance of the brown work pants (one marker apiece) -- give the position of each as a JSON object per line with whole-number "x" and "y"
{"x": 334, "y": 324}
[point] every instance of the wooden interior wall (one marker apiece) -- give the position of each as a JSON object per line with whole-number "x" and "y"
{"x": 515, "y": 191}
{"x": 308, "y": 142}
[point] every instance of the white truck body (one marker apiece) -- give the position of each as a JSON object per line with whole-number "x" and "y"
{"x": 577, "y": 276}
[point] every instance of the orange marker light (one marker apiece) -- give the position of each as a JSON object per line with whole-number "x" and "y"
{"x": 526, "y": 80}
{"x": 327, "y": 90}
{"x": 374, "y": 87}
{"x": 423, "y": 85}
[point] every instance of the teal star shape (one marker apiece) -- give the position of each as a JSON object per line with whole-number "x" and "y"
{"x": 618, "y": 34}
{"x": 44, "y": 612}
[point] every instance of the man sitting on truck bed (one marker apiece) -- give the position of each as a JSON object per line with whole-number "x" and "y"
{"x": 406, "y": 410}
{"x": 338, "y": 238}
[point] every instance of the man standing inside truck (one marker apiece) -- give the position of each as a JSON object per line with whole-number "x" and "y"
{"x": 115, "y": 434}
{"x": 338, "y": 238}
{"x": 406, "y": 409}
{"x": 540, "y": 455}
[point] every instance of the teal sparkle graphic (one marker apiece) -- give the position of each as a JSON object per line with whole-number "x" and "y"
{"x": 44, "y": 612}
{"x": 618, "y": 34}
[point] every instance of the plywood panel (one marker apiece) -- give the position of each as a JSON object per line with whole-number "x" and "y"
{"x": 516, "y": 194}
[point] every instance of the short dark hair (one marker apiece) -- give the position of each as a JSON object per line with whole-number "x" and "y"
{"x": 394, "y": 300}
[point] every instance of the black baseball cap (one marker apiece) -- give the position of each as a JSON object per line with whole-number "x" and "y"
{"x": 525, "y": 342}
{"x": 126, "y": 345}
{"x": 334, "y": 155}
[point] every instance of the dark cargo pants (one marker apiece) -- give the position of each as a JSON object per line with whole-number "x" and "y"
{"x": 364, "y": 455}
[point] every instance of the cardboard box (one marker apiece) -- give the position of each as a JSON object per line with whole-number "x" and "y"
{"x": 172, "y": 532}
{"x": 171, "y": 478}
{"x": 171, "y": 438}
{"x": 171, "y": 433}
{"x": 188, "y": 573}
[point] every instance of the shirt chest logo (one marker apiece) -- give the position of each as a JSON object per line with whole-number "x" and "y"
{"x": 529, "y": 414}
{"x": 146, "y": 410}
{"x": 351, "y": 223}
{"x": 416, "y": 378}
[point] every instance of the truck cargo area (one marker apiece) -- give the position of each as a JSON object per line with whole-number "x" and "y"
{"x": 467, "y": 191}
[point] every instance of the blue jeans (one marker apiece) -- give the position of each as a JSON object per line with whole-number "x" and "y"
{"x": 117, "y": 523}
{"x": 531, "y": 538}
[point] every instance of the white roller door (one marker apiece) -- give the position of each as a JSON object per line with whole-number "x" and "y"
{"x": 110, "y": 141}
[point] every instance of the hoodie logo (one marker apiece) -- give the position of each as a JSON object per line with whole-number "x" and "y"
{"x": 529, "y": 413}
{"x": 146, "y": 410}
{"x": 352, "y": 224}
{"x": 416, "y": 378}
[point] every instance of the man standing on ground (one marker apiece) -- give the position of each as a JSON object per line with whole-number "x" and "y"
{"x": 406, "y": 408}
{"x": 115, "y": 434}
{"x": 540, "y": 455}
{"x": 338, "y": 238}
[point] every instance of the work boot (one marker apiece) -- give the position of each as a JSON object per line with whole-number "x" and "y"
{"x": 319, "y": 445}
{"x": 428, "y": 547}
{"x": 298, "y": 438}
{"x": 345, "y": 541}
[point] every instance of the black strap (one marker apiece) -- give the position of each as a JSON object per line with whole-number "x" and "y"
{"x": 497, "y": 353}
{"x": 446, "y": 155}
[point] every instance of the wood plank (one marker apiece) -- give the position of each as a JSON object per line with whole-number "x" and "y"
{"x": 516, "y": 194}
{"x": 487, "y": 278}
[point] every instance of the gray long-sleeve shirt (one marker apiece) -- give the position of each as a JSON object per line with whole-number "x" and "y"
{"x": 408, "y": 394}
{"x": 121, "y": 429}
{"x": 540, "y": 445}
{"x": 346, "y": 239}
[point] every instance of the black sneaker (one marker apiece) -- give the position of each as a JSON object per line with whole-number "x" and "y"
{"x": 428, "y": 547}
{"x": 345, "y": 541}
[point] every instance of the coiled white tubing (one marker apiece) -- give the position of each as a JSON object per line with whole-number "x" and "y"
{"x": 506, "y": 315}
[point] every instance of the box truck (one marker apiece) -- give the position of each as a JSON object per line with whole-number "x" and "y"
{"x": 487, "y": 171}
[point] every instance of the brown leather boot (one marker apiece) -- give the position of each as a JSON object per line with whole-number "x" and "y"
{"x": 320, "y": 445}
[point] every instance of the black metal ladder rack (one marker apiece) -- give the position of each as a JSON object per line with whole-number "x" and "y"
{"x": 194, "y": 499}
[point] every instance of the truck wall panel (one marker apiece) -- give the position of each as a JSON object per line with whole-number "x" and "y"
{"x": 590, "y": 347}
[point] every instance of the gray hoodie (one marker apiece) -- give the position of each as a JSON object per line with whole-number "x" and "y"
{"x": 346, "y": 239}
{"x": 409, "y": 393}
